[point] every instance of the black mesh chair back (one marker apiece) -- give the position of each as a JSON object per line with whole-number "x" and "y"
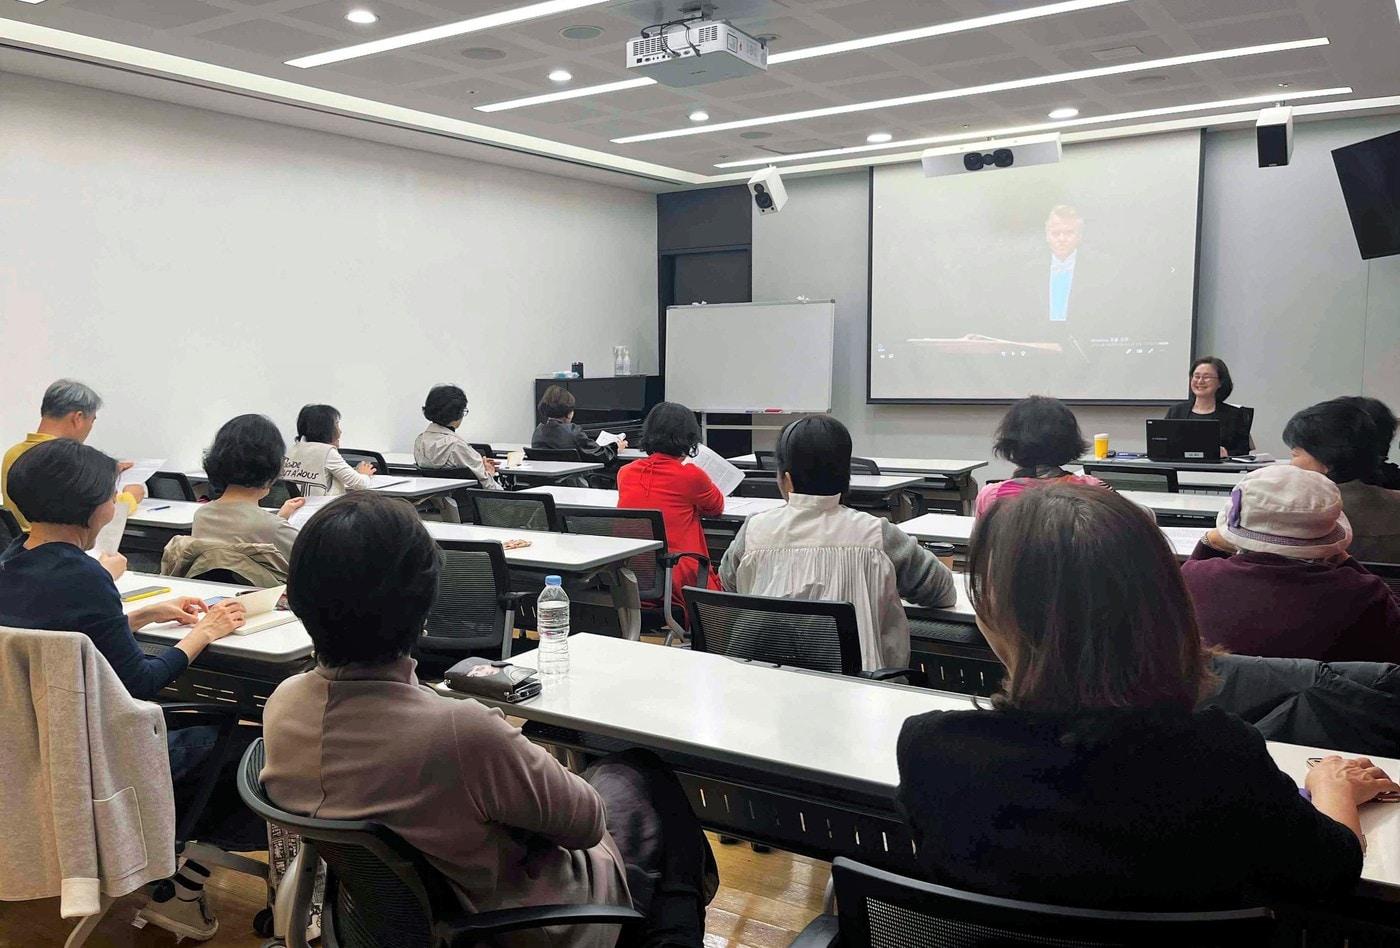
{"x": 883, "y": 910}
{"x": 800, "y": 633}
{"x": 281, "y": 492}
{"x": 767, "y": 460}
{"x": 1129, "y": 477}
{"x": 170, "y": 485}
{"x": 553, "y": 454}
{"x": 1248, "y": 418}
{"x": 758, "y": 486}
{"x": 485, "y": 450}
{"x": 513, "y": 509}
{"x": 353, "y": 457}
{"x": 472, "y": 614}
{"x": 226, "y": 576}
{"x": 10, "y": 530}
{"x": 864, "y": 466}
{"x": 455, "y": 473}
{"x": 1389, "y": 574}
{"x": 631, "y": 525}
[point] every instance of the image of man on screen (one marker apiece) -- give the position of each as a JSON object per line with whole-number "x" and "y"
{"x": 1064, "y": 229}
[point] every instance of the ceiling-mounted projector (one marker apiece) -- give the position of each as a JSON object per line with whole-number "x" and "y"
{"x": 696, "y": 52}
{"x": 1002, "y": 153}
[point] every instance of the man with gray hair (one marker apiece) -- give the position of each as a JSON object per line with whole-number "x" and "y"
{"x": 68, "y": 410}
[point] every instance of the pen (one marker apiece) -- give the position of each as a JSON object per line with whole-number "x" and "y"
{"x": 154, "y": 509}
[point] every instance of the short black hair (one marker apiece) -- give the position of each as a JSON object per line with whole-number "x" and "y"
{"x": 1227, "y": 384}
{"x": 446, "y": 405}
{"x": 247, "y": 452}
{"x": 317, "y": 423}
{"x": 1339, "y": 434}
{"x": 671, "y": 429}
{"x": 557, "y": 402}
{"x": 816, "y": 453}
{"x": 1381, "y": 416}
{"x": 62, "y": 482}
{"x": 1039, "y": 431}
{"x": 362, "y": 579}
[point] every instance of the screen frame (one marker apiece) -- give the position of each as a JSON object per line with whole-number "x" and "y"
{"x": 871, "y": 399}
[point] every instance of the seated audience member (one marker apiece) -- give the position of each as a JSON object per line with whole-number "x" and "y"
{"x": 1274, "y": 578}
{"x": 314, "y": 463}
{"x": 440, "y": 446}
{"x": 815, "y": 548}
{"x": 359, "y": 738}
{"x": 242, "y": 465}
{"x": 1040, "y": 436}
{"x": 48, "y": 582}
{"x": 558, "y": 431}
{"x": 682, "y": 492}
{"x": 1388, "y": 472}
{"x": 1094, "y": 754}
{"x": 69, "y": 410}
{"x": 1339, "y": 438}
{"x": 1210, "y": 385}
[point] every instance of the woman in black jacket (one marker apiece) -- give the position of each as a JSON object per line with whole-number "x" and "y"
{"x": 1094, "y": 781}
{"x": 1211, "y": 385}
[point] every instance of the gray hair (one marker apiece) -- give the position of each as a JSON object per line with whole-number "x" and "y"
{"x": 66, "y": 396}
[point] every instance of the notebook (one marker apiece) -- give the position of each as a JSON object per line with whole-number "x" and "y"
{"x": 262, "y": 612}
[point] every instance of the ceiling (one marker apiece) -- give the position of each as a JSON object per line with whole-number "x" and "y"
{"x": 443, "y": 86}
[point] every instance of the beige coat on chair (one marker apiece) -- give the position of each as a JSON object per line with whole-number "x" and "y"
{"x": 85, "y": 787}
{"x": 261, "y": 564}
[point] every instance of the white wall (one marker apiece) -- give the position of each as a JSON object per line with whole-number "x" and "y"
{"x": 1284, "y": 296}
{"x": 191, "y": 265}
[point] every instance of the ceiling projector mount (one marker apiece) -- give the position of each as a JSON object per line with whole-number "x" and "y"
{"x": 990, "y": 155}
{"x": 694, "y": 49}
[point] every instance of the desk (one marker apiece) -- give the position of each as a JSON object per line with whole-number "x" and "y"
{"x": 548, "y": 472}
{"x": 418, "y": 488}
{"x": 154, "y": 524}
{"x": 736, "y": 509}
{"x": 934, "y": 474}
{"x": 1234, "y": 467}
{"x": 1183, "y": 510}
{"x": 502, "y": 448}
{"x": 949, "y": 528}
{"x": 800, "y": 760}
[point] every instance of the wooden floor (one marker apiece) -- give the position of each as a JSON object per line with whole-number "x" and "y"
{"x": 764, "y": 901}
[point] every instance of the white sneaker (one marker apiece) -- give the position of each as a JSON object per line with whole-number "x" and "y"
{"x": 184, "y": 917}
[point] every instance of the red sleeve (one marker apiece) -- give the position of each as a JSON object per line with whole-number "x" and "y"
{"x": 705, "y": 495}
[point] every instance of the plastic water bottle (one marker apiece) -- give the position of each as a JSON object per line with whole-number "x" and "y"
{"x": 552, "y": 610}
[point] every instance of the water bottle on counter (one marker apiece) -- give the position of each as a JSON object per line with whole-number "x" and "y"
{"x": 552, "y": 610}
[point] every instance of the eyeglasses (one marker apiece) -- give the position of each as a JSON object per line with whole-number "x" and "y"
{"x": 1205, "y": 378}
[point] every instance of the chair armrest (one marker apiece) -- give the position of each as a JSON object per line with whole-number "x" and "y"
{"x": 824, "y": 931}
{"x": 671, "y": 559}
{"x": 515, "y": 600}
{"x": 912, "y": 675}
{"x": 470, "y": 929}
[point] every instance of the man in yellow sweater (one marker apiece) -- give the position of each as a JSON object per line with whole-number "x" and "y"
{"x": 69, "y": 410}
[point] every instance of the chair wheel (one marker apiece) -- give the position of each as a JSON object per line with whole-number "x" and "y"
{"x": 262, "y": 923}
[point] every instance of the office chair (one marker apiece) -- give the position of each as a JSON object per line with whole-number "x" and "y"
{"x": 554, "y": 454}
{"x": 9, "y": 527}
{"x": 880, "y": 908}
{"x": 1389, "y": 574}
{"x": 522, "y": 511}
{"x": 653, "y": 570}
{"x": 767, "y": 460}
{"x": 353, "y": 457}
{"x": 801, "y": 633}
{"x": 485, "y": 450}
{"x": 170, "y": 485}
{"x": 380, "y": 892}
{"x": 475, "y": 610}
{"x": 281, "y": 492}
{"x": 1132, "y": 477}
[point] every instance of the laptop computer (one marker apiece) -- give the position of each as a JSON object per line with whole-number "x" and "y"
{"x": 1183, "y": 439}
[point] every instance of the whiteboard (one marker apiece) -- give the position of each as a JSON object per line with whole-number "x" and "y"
{"x": 751, "y": 357}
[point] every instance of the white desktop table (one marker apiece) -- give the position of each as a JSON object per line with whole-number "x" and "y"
{"x": 950, "y": 528}
{"x": 1196, "y": 506}
{"x": 547, "y": 471}
{"x": 736, "y": 509}
{"x": 804, "y": 760}
{"x": 924, "y": 467}
{"x": 176, "y": 516}
{"x": 502, "y": 448}
{"x": 1224, "y": 465}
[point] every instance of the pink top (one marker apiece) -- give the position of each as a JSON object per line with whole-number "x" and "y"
{"x": 993, "y": 492}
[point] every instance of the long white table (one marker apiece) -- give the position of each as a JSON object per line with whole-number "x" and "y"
{"x": 502, "y": 448}
{"x": 1195, "y": 506}
{"x": 735, "y": 508}
{"x": 950, "y": 528}
{"x": 1226, "y": 465}
{"x": 924, "y": 467}
{"x": 802, "y": 760}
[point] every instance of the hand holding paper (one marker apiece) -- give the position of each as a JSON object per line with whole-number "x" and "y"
{"x": 726, "y": 476}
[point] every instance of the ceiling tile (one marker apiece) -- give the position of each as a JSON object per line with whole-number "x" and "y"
{"x": 267, "y": 38}
{"x": 1092, "y": 25}
{"x": 393, "y": 19}
{"x": 1189, "y": 12}
{"x": 157, "y": 14}
{"x": 391, "y": 69}
{"x": 836, "y": 68}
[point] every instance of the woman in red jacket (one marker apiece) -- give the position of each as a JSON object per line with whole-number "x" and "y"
{"x": 682, "y": 492}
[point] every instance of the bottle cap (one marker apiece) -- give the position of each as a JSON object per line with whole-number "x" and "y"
{"x": 553, "y": 581}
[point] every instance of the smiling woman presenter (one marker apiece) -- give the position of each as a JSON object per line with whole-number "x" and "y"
{"x": 1210, "y": 386}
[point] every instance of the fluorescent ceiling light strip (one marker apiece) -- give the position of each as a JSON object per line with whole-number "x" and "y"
{"x": 567, "y": 94}
{"x": 940, "y": 29}
{"x": 1026, "y": 83}
{"x": 444, "y": 31}
{"x": 826, "y": 49}
{"x": 1030, "y": 129}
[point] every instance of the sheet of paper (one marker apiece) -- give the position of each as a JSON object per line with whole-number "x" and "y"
{"x": 606, "y": 438}
{"x": 725, "y": 475}
{"x": 312, "y": 504}
{"x": 140, "y": 472}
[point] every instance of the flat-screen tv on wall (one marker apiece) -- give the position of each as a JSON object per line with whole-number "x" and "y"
{"x": 1369, "y": 172}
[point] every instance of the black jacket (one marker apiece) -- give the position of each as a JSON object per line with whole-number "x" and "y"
{"x": 1131, "y": 809}
{"x": 1235, "y": 423}
{"x": 565, "y": 435}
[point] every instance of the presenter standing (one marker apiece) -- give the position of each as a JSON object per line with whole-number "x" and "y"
{"x": 1210, "y": 386}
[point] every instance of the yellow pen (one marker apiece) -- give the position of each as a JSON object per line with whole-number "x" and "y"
{"x": 145, "y": 592}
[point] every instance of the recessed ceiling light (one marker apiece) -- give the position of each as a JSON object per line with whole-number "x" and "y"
{"x": 362, "y": 17}
{"x": 1284, "y": 85}
{"x": 483, "y": 53}
{"x": 884, "y": 39}
{"x": 699, "y": 115}
{"x": 990, "y": 87}
{"x": 1029, "y": 129}
{"x": 878, "y": 138}
{"x": 560, "y": 75}
{"x": 1064, "y": 113}
{"x": 581, "y": 32}
{"x": 444, "y": 31}
{"x": 41, "y": 1}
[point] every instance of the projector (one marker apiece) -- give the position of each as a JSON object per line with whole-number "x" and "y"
{"x": 1005, "y": 153}
{"x": 692, "y": 54}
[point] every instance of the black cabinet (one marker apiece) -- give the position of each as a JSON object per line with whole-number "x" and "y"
{"x": 613, "y": 402}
